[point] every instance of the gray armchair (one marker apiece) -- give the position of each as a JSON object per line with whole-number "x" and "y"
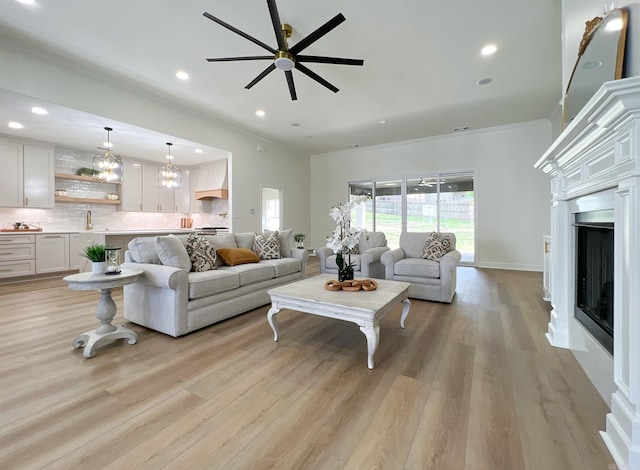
{"x": 430, "y": 280}
{"x": 366, "y": 264}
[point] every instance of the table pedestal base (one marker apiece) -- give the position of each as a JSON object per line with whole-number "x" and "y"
{"x": 93, "y": 339}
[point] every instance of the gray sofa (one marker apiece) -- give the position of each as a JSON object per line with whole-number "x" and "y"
{"x": 430, "y": 280}
{"x": 366, "y": 264}
{"x": 175, "y": 301}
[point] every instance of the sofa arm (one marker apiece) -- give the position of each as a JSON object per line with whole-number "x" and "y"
{"x": 389, "y": 258}
{"x": 159, "y": 275}
{"x": 372, "y": 255}
{"x": 450, "y": 261}
{"x": 298, "y": 253}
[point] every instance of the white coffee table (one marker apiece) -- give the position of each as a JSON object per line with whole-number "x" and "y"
{"x": 364, "y": 308}
{"x": 106, "y": 309}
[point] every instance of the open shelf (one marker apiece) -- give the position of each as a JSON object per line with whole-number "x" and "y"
{"x": 87, "y": 200}
{"x": 91, "y": 179}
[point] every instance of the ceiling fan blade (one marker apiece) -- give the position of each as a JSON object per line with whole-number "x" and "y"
{"x": 263, "y": 74}
{"x": 328, "y": 60}
{"x": 318, "y": 33}
{"x": 241, "y": 33}
{"x": 252, "y": 57}
{"x": 292, "y": 87}
{"x": 277, "y": 25}
{"x": 316, "y": 77}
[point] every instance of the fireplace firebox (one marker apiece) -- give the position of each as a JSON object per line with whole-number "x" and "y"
{"x": 594, "y": 274}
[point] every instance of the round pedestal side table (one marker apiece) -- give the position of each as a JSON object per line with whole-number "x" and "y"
{"x": 106, "y": 309}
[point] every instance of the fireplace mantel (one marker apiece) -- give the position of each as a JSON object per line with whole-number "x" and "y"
{"x": 595, "y": 164}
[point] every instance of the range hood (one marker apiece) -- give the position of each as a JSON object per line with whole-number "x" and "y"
{"x": 212, "y": 194}
{"x": 212, "y": 181}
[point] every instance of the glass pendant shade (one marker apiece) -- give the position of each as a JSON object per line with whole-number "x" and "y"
{"x": 108, "y": 167}
{"x": 169, "y": 176}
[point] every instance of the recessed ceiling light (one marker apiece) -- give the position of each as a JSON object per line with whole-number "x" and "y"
{"x": 295, "y": 124}
{"x": 260, "y": 113}
{"x": 182, "y": 75}
{"x": 383, "y": 122}
{"x": 198, "y": 150}
{"x": 38, "y": 110}
{"x": 15, "y": 125}
{"x": 485, "y": 81}
{"x": 27, "y": 2}
{"x": 489, "y": 49}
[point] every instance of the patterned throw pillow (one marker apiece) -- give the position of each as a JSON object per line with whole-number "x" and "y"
{"x": 267, "y": 247}
{"x": 202, "y": 253}
{"x": 436, "y": 246}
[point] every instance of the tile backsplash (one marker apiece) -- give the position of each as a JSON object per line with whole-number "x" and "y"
{"x": 72, "y": 216}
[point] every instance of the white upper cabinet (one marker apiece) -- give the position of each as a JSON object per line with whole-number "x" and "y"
{"x": 182, "y": 198}
{"x": 11, "y": 188}
{"x": 131, "y": 187}
{"x": 38, "y": 177}
{"x": 27, "y": 178}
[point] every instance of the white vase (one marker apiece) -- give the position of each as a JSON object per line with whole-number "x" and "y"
{"x": 98, "y": 267}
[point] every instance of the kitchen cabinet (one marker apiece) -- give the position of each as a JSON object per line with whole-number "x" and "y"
{"x": 77, "y": 243}
{"x": 155, "y": 199}
{"x": 27, "y": 176}
{"x": 182, "y": 195}
{"x": 52, "y": 252}
{"x": 131, "y": 188}
{"x": 17, "y": 255}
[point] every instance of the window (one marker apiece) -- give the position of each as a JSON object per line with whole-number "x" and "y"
{"x": 271, "y": 208}
{"x": 443, "y": 202}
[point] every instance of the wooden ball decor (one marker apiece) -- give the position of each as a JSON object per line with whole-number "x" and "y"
{"x": 351, "y": 286}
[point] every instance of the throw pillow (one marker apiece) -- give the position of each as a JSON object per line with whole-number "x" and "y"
{"x": 267, "y": 247}
{"x": 172, "y": 252}
{"x": 436, "y": 246}
{"x": 236, "y": 256}
{"x": 201, "y": 252}
{"x": 143, "y": 250}
{"x": 285, "y": 241}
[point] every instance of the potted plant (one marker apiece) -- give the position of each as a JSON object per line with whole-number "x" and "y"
{"x": 299, "y": 239}
{"x": 345, "y": 237}
{"x": 97, "y": 255}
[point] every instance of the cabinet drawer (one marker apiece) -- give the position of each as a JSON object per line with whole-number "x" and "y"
{"x": 17, "y": 239}
{"x": 17, "y": 268}
{"x": 14, "y": 252}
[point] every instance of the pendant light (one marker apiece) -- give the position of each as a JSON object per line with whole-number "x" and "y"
{"x": 169, "y": 176}
{"x": 108, "y": 167}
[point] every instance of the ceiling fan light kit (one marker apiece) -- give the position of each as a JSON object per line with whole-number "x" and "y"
{"x": 285, "y": 58}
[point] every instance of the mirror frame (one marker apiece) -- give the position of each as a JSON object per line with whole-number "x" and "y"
{"x": 591, "y": 29}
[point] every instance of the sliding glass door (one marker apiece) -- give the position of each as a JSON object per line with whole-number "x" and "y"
{"x": 443, "y": 202}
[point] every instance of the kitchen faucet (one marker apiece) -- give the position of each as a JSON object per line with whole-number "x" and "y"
{"x": 89, "y": 224}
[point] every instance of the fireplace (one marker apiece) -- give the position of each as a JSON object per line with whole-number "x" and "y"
{"x": 595, "y": 171}
{"x": 594, "y": 274}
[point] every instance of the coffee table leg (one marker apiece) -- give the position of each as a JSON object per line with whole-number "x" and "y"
{"x": 372, "y": 332}
{"x": 406, "y": 305}
{"x": 271, "y": 318}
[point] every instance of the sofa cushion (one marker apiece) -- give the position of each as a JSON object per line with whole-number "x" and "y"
{"x": 417, "y": 267}
{"x": 355, "y": 259}
{"x": 143, "y": 250}
{"x": 284, "y": 266}
{"x": 267, "y": 247}
{"x": 201, "y": 252}
{"x": 436, "y": 246}
{"x": 236, "y": 256}
{"x": 172, "y": 252}
{"x": 372, "y": 240}
{"x": 204, "y": 284}
{"x": 245, "y": 240}
{"x": 251, "y": 273}
{"x": 223, "y": 240}
{"x": 285, "y": 241}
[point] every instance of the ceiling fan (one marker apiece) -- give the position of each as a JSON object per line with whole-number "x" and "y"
{"x": 285, "y": 58}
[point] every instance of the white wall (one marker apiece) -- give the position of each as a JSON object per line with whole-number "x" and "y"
{"x": 513, "y": 197}
{"x": 32, "y": 71}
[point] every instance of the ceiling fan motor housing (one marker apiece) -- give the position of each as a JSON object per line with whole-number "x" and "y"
{"x": 284, "y": 60}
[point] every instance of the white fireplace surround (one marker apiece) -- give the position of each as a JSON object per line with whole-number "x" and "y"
{"x": 595, "y": 164}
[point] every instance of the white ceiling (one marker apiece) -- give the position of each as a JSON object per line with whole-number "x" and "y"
{"x": 421, "y": 64}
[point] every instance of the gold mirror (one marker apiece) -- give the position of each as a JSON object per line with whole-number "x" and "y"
{"x": 600, "y": 59}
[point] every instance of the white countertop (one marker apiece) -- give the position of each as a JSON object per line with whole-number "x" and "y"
{"x": 104, "y": 232}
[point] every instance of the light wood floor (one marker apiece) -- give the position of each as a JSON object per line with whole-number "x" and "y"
{"x": 471, "y": 385}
